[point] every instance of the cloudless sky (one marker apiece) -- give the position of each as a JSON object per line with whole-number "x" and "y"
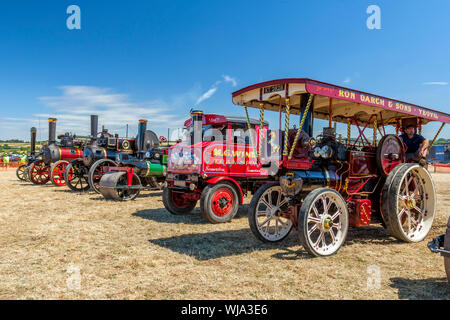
{"x": 164, "y": 55}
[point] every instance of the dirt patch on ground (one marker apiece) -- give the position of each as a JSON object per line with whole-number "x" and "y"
{"x": 137, "y": 250}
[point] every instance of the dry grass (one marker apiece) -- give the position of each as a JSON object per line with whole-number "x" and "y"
{"x": 137, "y": 250}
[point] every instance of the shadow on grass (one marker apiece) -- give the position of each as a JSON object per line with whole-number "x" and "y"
{"x": 422, "y": 289}
{"x": 218, "y": 244}
{"x": 162, "y": 215}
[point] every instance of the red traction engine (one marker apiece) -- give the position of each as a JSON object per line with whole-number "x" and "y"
{"x": 54, "y": 158}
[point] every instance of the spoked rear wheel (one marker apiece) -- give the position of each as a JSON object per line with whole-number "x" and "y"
{"x": 21, "y": 172}
{"x": 39, "y": 173}
{"x": 76, "y": 176}
{"x": 265, "y": 214}
{"x": 410, "y": 201}
{"x": 57, "y": 173}
{"x": 97, "y": 171}
{"x": 323, "y": 222}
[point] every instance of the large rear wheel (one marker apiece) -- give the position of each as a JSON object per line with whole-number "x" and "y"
{"x": 219, "y": 202}
{"x": 176, "y": 202}
{"x": 323, "y": 222}
{"x": 21, "y": 172}
{"x": 97, "y": 171}
{"x": 76, "y": 176}
{"x": 39, "y": 173}
{"x": 265, "y": 214}
{"x": 409, "y": 201}
{"x": 57, "y": 173}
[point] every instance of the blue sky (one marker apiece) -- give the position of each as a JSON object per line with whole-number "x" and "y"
{"x": 157, "y": 59}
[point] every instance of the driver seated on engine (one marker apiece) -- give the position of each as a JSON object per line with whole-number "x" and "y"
{"x": 417, "y": 145}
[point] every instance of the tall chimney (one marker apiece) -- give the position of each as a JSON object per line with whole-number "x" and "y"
{"x": 197, "y": 124}
{"x": 33, "y": 140}
{"x": 141, "y": 135}
{"x": 94, "y": 126}
{"x": 51, "y": 131}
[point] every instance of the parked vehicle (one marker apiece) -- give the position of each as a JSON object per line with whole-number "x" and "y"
{"x": 146, "y": 171}
{"x": 84, "y": 173}
{"x": 54, "y": 158}
{"x": 22, "y": 170}
{"x": 441, "y": 245}
{"x": 216, "y": 164}
{"x": 323, "y": 186}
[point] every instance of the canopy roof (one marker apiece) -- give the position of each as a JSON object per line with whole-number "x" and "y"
{"x": 345, "y": 102}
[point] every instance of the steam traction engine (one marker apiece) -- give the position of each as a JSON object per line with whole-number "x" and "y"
{"x": 216, "y": 164}
{"x": 54, "y": 158}
{"x": 102, "y": 151}
{"x": 325, "y": 185}
{"x": 132, "y": 174}
{"x": 22, "y": 170}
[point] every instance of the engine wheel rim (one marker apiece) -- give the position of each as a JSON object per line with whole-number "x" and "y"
{"x": 269, "y": 221}
{"x": 77, "y": 174}
{"x": 21, "y": 172}
{"x": 58, "y": 174}
{"x": 39, "y": 173}
{"x": 415, "y": 204}
{"x": 222, "y": 202}
{"x": 326, "y": 223}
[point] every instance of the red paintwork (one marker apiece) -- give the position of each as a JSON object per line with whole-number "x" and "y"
{"x": 128, "y": 170}
{"x": 362, "y": 164}
{"x": 223, "y": 178}
{"x": 361, "y": 214}
{"x": 208, "y": 119}
{"x": 342, "y": 93}
{"x": 70, "y": 153}
{"x": 58, "y": 174}
{"x": 222, "y": 195}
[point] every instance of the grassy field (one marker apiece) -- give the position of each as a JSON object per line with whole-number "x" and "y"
{"x": 137, "y": 250}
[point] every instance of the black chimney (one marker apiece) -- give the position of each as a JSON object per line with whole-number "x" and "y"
{"x": 141, "y": 135}
{"x": 51, "y": 131}
{"x": 33, "y": 140}
{"x": 94, "y": 126}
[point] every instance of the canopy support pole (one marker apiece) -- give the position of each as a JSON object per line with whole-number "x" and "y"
{"x": 286, "y": 128}
{"x": 437, "y": 134}
{"x": 261, "y": 128}
{"x": 349, "y": 130}
{"x": 300, "y": 127}
{"x": 249, "y": 128}
{"x": 330, "y": 111}
{"x": 375, "y": 128}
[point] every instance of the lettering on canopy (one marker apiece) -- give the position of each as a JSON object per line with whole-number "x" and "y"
{"x": 376, "y": 101}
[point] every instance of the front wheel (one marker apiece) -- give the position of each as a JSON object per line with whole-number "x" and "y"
{"x": 219, "y": 202}
{"x": 176, "y": 202}
{"x": 265, "y": 214}
{"x": 57, "y": 173}
{"x": 76, "y": 176}
{"x": 21, "y": 172}
{"x": 323, "y": 222}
